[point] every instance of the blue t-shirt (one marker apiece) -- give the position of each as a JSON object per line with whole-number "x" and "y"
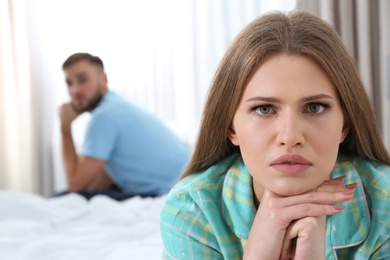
{"x": 142, "y": 155}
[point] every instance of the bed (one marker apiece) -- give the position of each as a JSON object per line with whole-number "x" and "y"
{"x": 70, "y": 227}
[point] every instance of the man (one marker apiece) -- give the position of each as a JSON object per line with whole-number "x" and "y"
{"x": 126, "y": 151}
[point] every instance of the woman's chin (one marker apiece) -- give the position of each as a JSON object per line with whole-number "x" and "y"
{"x": 291, "y": 191}
{"x": 293, "y": 187}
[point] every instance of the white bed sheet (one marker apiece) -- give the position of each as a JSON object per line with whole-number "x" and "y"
{"x": 70, "y": 227}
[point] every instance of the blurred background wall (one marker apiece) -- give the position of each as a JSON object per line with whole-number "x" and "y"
{"x": 160, "y": 54}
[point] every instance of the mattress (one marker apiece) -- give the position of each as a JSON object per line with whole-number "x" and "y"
{"x": 70, "y": 227}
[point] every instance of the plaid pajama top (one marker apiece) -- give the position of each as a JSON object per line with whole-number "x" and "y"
{"x": 209, "y": 215}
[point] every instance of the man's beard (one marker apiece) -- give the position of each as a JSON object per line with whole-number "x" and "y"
{"x": 91, "y": 105}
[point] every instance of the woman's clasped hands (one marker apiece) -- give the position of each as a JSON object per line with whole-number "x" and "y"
{"x": 293, "y": 227}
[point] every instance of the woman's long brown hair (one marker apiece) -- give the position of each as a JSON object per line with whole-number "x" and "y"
{"x": 297, "y": 33}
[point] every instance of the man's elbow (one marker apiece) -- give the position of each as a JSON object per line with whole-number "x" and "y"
{"x": 75, "y": 186}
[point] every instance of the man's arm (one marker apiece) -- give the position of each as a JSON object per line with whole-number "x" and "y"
{"x": 81, "y": 172}
{"x": 101, "y": 182}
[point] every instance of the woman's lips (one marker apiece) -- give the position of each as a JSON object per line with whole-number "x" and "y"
{"x": 291, "y": 164}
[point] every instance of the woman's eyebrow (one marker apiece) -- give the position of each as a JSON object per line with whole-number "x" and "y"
{"x": 316, "y": 97}
{"x": 278, "y": 100}
{"x": 265, "y": 99}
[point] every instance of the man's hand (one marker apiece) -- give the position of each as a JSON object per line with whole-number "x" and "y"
{"x": 67, "y": 114}
{"x": 81, "y": 172}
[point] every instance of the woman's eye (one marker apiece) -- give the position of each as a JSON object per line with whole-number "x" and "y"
{"x": 316, "y": 108}
{"x": 264, "y": 110}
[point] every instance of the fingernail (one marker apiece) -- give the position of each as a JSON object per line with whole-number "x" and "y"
{"x": 340, "y": 178}
{"x": 351, "y": 186}
{"x": 349, "y": 192}
{"x": 339, "y": 207}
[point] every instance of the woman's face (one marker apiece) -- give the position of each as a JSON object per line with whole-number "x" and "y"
{"x": 289, "y": 125}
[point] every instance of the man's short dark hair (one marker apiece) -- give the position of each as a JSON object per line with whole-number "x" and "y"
{"x": 82, "y": 56}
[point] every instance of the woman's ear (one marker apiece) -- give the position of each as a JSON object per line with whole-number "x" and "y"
{"x": 344, "y": 133}
{"x": 232, "y": 135}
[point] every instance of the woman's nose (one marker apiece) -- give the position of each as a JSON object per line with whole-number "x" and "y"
{"x": 290, "y": 130}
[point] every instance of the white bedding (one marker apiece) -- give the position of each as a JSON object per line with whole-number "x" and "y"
{"x": 70, "y": 227}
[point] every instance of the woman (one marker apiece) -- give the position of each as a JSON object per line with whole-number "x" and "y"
{"x": 289, "y": 162}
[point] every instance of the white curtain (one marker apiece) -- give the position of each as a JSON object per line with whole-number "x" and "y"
{"x": 160, "y": 54}
{"x": 364, "y": 27}
{"x": 17, "y": 129}
{"x": 384, "y": 65}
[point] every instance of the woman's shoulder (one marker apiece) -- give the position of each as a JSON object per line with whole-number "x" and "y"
{"x": 199, "y": 191}
{"x": 360, "y": 227}
{"x": 192, "y": 214}
{"x": 207, "y": 183}
{"x": 374, "y": 176}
